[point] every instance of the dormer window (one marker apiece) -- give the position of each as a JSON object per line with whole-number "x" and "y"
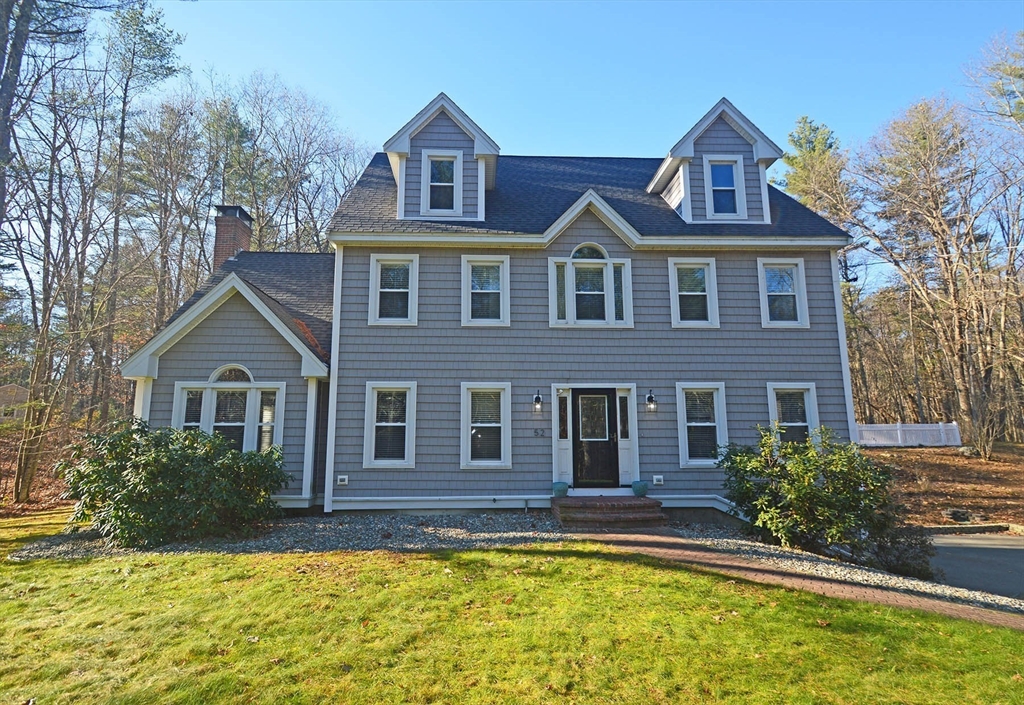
{"x": 441, "y": 192}
{"x": 724, "y": 192}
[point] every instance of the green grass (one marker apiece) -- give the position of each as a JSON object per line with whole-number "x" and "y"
{"x": 555, "y": 623}
{"x": 18, "y": 531}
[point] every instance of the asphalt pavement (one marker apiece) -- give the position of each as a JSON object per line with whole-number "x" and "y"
{"x": 990, "y": 562}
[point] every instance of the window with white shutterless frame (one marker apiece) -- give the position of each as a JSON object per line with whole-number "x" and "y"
{"x": 693, "y": 284}
{"x": 724, "y": 188}
{"x": 232, "y": 403}
{"x": 702, "y": 421}
{"x": 486, "y": 422}
{"x": 590, "y": 289}
{"x": 389, "y": 433}
{"x": 441, "y": 182}
{"x": 794, "y": 406}
{"x": 394, "y": 290}
{"x": 783, "y": 292}
{"x": 485, "y": 290}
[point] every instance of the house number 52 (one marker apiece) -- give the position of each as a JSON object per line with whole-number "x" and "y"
{"x": 538, "y": 432}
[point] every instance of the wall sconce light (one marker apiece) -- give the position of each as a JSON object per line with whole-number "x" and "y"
{"x": 652, "y": 403}
{"x": 538, "y": 401}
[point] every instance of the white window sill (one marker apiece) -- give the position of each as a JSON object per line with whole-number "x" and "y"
{"x": 396, "y": 322}
{"x": 695, "y": 324}
{"x": 699, "y": 465}
{"x": 784, "y": 324}
{"x": 382, "y": 465}
{"x": 486, "y": 466}
{"x": 595, "y": 324}
{"x": 486, "y": 324}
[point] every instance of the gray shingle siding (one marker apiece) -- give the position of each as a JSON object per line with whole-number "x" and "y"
{"x": 440, "y": 133}
{"x": 236, "y": 333}
{"x": 439, "y": 354}
{"x": 721, "y": 139}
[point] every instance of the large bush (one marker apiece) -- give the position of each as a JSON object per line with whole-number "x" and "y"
{"x": 825, "y": 497}
{"x": 141, "y": 486}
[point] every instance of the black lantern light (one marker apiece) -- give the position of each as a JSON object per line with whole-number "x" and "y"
{"x": 652, "y": 403}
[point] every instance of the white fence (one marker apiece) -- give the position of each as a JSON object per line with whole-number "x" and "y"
{"x": 909, "y": 434}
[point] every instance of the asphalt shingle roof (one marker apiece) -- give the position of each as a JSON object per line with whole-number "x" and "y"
{"x": 297, "y": 287}
{"x": 532, "y": 192}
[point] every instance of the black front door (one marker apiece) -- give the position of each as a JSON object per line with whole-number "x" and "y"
{"x": 595, "y": 442}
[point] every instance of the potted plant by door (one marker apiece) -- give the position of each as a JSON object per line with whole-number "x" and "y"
{"x": 559, "y": 489}
{"x": 639, "y": 488}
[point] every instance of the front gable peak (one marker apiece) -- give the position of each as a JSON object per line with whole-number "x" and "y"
{"x": 593, "y": 202}
{"x": 484, "y": 146}
{"x": 765, "y": 150}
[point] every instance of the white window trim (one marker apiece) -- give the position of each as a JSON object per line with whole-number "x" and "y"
{"x": 711, "y": 282}
{"x": 370, "y": 419}
{"x": 467, "y": 283}
{"x": 376, "y": 260}
{"x": 803, "y": 321}
{"x": 738, "y": 178}
{"x": 425, "y": 208}
{"x": 609, "y": 294}
{"x": 506, "y": 426}
{"x": 810, "y": 403}
{"x": 721, "y": 427}
{"x": 252, "y": 403}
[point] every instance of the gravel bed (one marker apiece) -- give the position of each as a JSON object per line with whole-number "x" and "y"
{"x": 404, "y": 532}
{"x": 734, "y": 541}
{"x": 363, "y": 532}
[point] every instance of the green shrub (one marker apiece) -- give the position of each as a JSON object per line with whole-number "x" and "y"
{"x": 142, "y": 486}
{"x": 825, "y": 497}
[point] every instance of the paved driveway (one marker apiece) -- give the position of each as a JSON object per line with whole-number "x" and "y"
{"x": 990, "y": 562}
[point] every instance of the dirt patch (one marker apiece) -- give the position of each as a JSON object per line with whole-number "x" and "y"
{"x": 929, "y": 480}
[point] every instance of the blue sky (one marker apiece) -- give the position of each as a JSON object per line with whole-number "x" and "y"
{"x": 609, "y": 79}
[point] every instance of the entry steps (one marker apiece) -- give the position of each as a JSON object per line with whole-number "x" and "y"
{"x": 607, "y": 512}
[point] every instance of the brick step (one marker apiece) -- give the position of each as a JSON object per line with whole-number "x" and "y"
{"x": 607, "y": 512}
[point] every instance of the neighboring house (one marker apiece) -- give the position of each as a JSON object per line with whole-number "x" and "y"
{"x": 489, "y": 324}
{"x": 13, "y": 398}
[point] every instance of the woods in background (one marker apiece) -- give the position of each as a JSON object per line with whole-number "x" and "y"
{"x": 937, "y": 199}
{"x": 116, "y": 156}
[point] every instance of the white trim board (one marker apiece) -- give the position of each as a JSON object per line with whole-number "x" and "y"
{"x": 531, "y": 240}
{"x": 332, "y": 394}
{"x": 844, "y": 355}
{"x": 145, "y": 361}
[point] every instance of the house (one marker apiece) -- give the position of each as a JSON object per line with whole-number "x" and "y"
{"x": 13, "y": 398}
{"x": 487, "y": 325}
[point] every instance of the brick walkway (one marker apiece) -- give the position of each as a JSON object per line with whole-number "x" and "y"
{"x": 663, "y": 543}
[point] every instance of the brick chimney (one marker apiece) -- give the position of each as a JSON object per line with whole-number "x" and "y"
{"x": 233, "y": 233}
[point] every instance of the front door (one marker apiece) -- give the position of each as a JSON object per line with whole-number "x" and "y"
{"x": 595, "y": 443}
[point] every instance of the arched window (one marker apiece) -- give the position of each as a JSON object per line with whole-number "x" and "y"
{"x": 590, "y": 289}
{"x": 233, "y": 374}
{"x": 232, "y": 404}
{"x": 589, "y": 251}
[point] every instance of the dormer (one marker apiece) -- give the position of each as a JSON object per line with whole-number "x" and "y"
{"x": 717, "y": 173}
{"x": 443, "y": 164}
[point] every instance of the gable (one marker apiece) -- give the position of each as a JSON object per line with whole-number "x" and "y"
{"x": 235, "y": 332}
{"x": 144, "y": 363}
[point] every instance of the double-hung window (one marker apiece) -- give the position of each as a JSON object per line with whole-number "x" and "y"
{"x": 794, "y": 407}
{"x": 694, "y": 290}
{"x": 783, "y": 293}
{"x": 485, "y": 291}
{"x": 394, "y": 284}
{"x": 702, "y": 422}
{"x": 389, "y": 438}
{"x": 232, "y": 404}
{"x": 486, "y": 425}
{"x": 588, "y": 288}
{"x": 441, "y": 183}
{"x": 724, "y": 192}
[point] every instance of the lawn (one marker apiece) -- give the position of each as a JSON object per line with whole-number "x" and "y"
{"x": 552, "y": 623}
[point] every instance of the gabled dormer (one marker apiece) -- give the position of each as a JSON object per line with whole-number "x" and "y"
{"x": 443, "y": 164}
{"x": 717, "y": 172}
